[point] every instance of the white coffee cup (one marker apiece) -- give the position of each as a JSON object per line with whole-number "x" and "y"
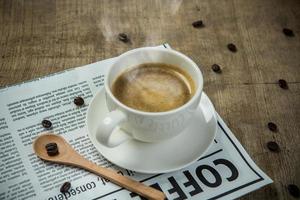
{"x": 140, "y": 125}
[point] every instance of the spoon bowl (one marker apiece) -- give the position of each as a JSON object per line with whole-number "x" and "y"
{"x": 39, "y": 147}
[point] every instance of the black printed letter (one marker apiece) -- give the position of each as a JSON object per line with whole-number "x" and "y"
{"x": 192, "y": 182}
{"x": 227, "y": 163}
{"x": 176, "y": 189}
{"x": 213, "y": 172}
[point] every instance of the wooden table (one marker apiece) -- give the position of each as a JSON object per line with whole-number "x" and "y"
{"x": 41, "y": 37}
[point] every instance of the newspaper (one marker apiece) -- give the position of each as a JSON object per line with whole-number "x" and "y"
{"x": 225, "y": 172}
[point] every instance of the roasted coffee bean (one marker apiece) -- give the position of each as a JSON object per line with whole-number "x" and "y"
{"x": 283, "y": 84}
{"x": 52, "y": 149}
{"x": 123, "y": 37}
{"x": 46, "y": 123}
{"x": 78, "y": 101}
{"x": 65, "y": 187}
{"x": 272, "y": 126}
{"x": 52, "y": 152}
{"x": 232, "y": 47}
{"x": 273, "y": 146}
{"x": 198, "y": 24}
{"x": 216, "y": 68}
{"x": 288, "y": 32}
{"x": 51, "y": 145}
{"x": 294, "y": 190}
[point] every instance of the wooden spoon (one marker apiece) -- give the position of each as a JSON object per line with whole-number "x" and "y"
{"x": 68, "y": 156}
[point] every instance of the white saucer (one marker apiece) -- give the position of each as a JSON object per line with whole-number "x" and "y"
{"x": 162, "y": 157}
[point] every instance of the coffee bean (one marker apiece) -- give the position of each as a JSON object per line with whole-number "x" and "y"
{"x": 52, "y": 149}
{"x": 65, "y": 187}
{"x": 272, "y": 126}
{"x": 273, "y": 146}
{"x": 123, "y": 37}
{"x": 288, "y": 32}
{"x": 52, "y": 152}
{"x": 46, "y": 123}
{"x": 216, "y": 68}
{"x": 198, "y": 24}
{"x": 232, "y": 47}
{"x": 51, "y": 146}
{"x": 294, "y": 190}
{"x": 78, "y": 101}
{"x": 283, "y": 84}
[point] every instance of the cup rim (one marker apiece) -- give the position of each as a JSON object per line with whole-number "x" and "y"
{"x": 176, "y": 53}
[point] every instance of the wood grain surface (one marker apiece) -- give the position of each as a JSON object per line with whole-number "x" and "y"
{"x": 39, "y": 37}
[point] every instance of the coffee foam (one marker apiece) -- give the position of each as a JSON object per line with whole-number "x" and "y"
{"x": 154, "y": 87}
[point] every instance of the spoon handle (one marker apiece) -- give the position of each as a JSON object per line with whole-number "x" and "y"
{"x": 123, "y": 181}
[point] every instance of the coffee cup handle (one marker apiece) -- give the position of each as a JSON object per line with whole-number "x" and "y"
{"x": 106, "y": 127}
